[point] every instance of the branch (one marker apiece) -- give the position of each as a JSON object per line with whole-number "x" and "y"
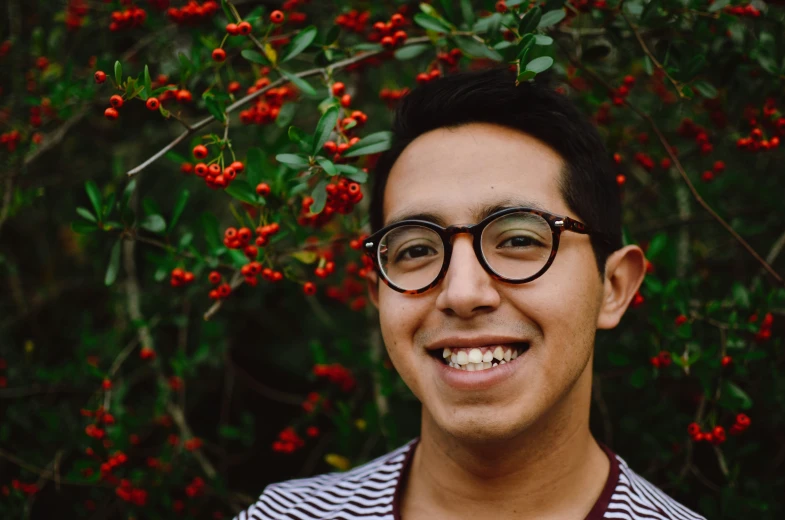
{"x": 264, "y": 390}
{"x": 677, "y": 164}
{"x": 237, "y": 281}
{"x": 47, "y": 473}
{"x": 250, "y": 97}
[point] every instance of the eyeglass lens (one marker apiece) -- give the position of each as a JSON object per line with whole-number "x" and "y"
{"x": 515, "y": 246}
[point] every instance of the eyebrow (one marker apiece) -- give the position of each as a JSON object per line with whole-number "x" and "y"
{"x": 479, "y": 212}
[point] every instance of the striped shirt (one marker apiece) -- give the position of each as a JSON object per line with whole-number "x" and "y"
{"x": 372, "y": 492}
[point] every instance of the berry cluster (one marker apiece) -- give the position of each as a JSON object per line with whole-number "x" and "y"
{"x": 663, "y": 359}
{"x": 193, "y": 444}
{"x": 10, "y": 139}
{"x": 27, "y": 489}
{"x": 337, "y": 374}
{"x": 450, "y": 59}
{"x": 765, "y": 327}
{"x": 193, "y": 13}
{"x": 127, "y": 19}
{"x": 621, "y": 93}
{"x": 391, "y": 97}
{"x": 389, "y": 34}
{"x": 238, "y": 29}
{"x": 339, "y": 149}
{"x": 341, "y": 198}
{"x": 743, "y": 10}
{"x": 195, "y": 488}
{"x": 425, "y": 77}
{"x": 708, "y": 175}
{"x": 353, "y": 20}
{"x": 755, "y": 141}
{"x": 288, "y": 441}
{"x": 181, "y": 277}
{"x": 742, "y": 423}
{"x": 131, "y": 494}
{"x": 266, "y": 108}
{"x": 716, "y": 436}
{"x": 214, "y": 177}
{"x": 75, "y": 12}
{"x": 180, "y": 95}
{"x": 309, "y": 405}
{"x": 688, "y": 128}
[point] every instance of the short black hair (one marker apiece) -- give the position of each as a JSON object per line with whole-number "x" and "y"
{"x": 588, "y": 183}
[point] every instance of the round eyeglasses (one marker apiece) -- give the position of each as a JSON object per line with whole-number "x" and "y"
{"x": 514, "y": 245}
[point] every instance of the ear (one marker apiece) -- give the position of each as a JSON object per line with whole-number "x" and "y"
{"x": 624, "y": 272}
{"x": 372, "y": 279}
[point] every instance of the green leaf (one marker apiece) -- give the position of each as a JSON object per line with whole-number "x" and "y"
{"x": 467, "y": 11}
{"x": 85, "y": 213}
{"x": 551, "y": 18}
{"x": 148, "y": 83}
{"x": 114, "y": 264}
{"x": 254, "y": 166}
{"x": 410, "y": 51}
{"x": 740, "y": 295}
{"x": 541, "y": 39}
{"x": 718, "y": 5}
{"x": 241, "y": 190}
{"x": 211, "y": 231}
{"x": 706, "y": 89}
{"x": 153, "y": 223}
{"x": 299, "y": 82}
{"x": 540, "y": 64}
{"x": 526, "y": 75}
{"x": 118, "y": 72}
{"x": 319, "y": 195}
{"x": 95, "y": 196}
{"x": 214, "y": 106}
{"x": 739, "y": 396}
{"x": 373, "y": 143}
{"x": 179, "y": 206}
{"x": 324, "y": 128}
{"x": 530, "y": 20}
{"x": 83, "y": 227}
{"x": 352, "y": 172}
{"x": 638, "y": 378}
{"x": 254, "y": 57}
{"x": 300, "y": 42}
{"x": 432, "y": 23}
{"x": 527, "y": 43}
{"x": 294, "y": 161}
{"x": 656, "y": 245}
{"x": 475, "y": 49}
{"x": 108, "y": 205}
{"x": 286, "y": 115}
{"x": 327, "y": 165}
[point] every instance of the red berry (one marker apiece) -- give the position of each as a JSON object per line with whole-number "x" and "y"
{"x": 346, "y": 100}
{"x": 184, "y": 96}
{"x": 693, "y": 428}
{"x": 501, "y": 7}
{"x": 742, "y": 420}
{"x": 338, "y": 89}
{"x": 726, "y": 360}
{"x": 276, "y": 16}
{"x": 309, "y": 288}
{"x": 312, "y": 431}
{"x": 397, "y": 20}
{"x": 388, "y": 42}
{"x": 111, "y": 113}
{"x": 237, "y": 166}
{"x": 200, "y": 151}
{"x": 232, "y": 29}
{"x": 719, "y": 166}
{"x": 707, "y": 176}
{"x": 263, "y": 189}
{"x": 100, "y": 76}
{"x": 219, "y": 55}
{"x": 116, "y": 101}
{"x": 244, "y": 28}
{"x": 680, "y": 320}
{"x": 153, "y": 103}
{"x": 106, "y": 384}
{"x": 621, "y": 179}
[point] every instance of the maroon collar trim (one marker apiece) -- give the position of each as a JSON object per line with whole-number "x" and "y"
{"x": 597, "y": 512}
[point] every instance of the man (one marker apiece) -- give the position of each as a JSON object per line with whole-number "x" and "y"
{"x": 490, "y": 328}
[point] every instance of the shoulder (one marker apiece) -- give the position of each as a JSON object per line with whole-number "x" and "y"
{"x": 635, "y": 497}
{"x": 365, "y": 492}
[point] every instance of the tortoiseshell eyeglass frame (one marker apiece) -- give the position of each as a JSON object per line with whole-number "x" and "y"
{"x": 557, "y": 223}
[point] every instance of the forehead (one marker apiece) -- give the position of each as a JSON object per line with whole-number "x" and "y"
{"x": 456, "y": 173}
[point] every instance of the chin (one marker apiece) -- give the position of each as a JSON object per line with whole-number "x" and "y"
{"x": 476, "y": 427}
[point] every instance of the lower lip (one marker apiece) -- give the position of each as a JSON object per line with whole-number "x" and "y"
{"x": 478, "y": 380}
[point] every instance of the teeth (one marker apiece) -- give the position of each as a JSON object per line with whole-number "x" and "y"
{"x": 514, "y": 354}
{"x": 498, "y": 353}
{"x": 454, "y": 358}
{"x": 471, "y": 367}
{"x": 447, "y": 353}
{"x": 475, "y": 355}
{"x": 487, "y": 357}
{"x": 463, "y": 357}
{"x": 502, "y": 362}
{"x": 495, "y": 364}
{"x": 507, "y": 354}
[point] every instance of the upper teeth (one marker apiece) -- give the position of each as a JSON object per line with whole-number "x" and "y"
{"x": 476, "y": 359}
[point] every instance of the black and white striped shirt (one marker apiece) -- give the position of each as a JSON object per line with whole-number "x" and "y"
{"x": 372, "y": 492}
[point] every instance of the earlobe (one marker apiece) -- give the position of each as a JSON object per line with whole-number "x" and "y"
{"x": 624, "y": 272}
{"x": 372, "y": 280}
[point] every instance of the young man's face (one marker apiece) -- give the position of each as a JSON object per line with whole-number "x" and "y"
{"x": 450, "y": 173}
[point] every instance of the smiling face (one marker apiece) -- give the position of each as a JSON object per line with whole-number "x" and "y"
{"x": 450, "y": 173}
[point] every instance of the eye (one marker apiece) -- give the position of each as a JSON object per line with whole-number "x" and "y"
{"x": 414, "y": 252}
{"x": 522, "y": 241}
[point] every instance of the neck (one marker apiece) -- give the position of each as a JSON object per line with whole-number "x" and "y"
{"x": 553, "y": 469}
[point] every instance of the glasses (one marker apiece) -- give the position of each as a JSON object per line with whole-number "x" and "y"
{"x": 514, "y": 245}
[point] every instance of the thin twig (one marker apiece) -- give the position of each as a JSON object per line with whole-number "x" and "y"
{"x": 48, "y": 473}
{"x": 269, "y": 393}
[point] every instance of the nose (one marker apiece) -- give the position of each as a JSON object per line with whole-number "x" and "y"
{"x": 467, "y": 289}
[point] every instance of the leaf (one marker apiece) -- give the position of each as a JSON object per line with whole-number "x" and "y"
{"x": 740, "y": 295}
{"x": 656, "y": 245}
{"x": 83, "y": 227}
{"x": 153, "y": 223}
{"x": 85, "y": 213}
{"x": 540, "y": 64}
{"x": 530, "y": 20}
{"x": 319, "y": 195}
{"x": 324, "y": 128}
{"x": 718, "y": 5}
{"x": 211, "y": 231}
{"x": 254, "y": 57}
{"x": 241, "y": 190}
{"x": 373, "y": 143}
{"x": 541, "y": 39}
{"x": 270, "y": 53}
{"x": 300, "y": 42}
{"x": 327, "y": 165}
{"x": 638, "y": 378}
{"x": 353, "y": 173}
{"x": 706, "y": 89}
{"x": 306, "y": 257}
{"x": 294, "y": 161}
{"x": 148, "y": 84}
{"x": 551, "y": 18}
{"x": 467, "y": 11}
{"x": 475, "y": 49}
{"x": 410, "y": 51}
{"x": 285, "y": 115}
{"x": 527, "y": 43}
{"x": 118, "y": 72}
{"x": 114, "y": 264}
{"x": 431, "y": 23}
{"x": 300, "y": 83}
{"x": 214, "y": 106}
{"x": 179, "y": 206}
{"x": 254, "y": 166}
{"x": 738, "y": 395}
{"x": 95, "y": 196}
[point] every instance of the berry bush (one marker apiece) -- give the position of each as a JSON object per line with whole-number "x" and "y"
{"x": 183, "y": 317}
